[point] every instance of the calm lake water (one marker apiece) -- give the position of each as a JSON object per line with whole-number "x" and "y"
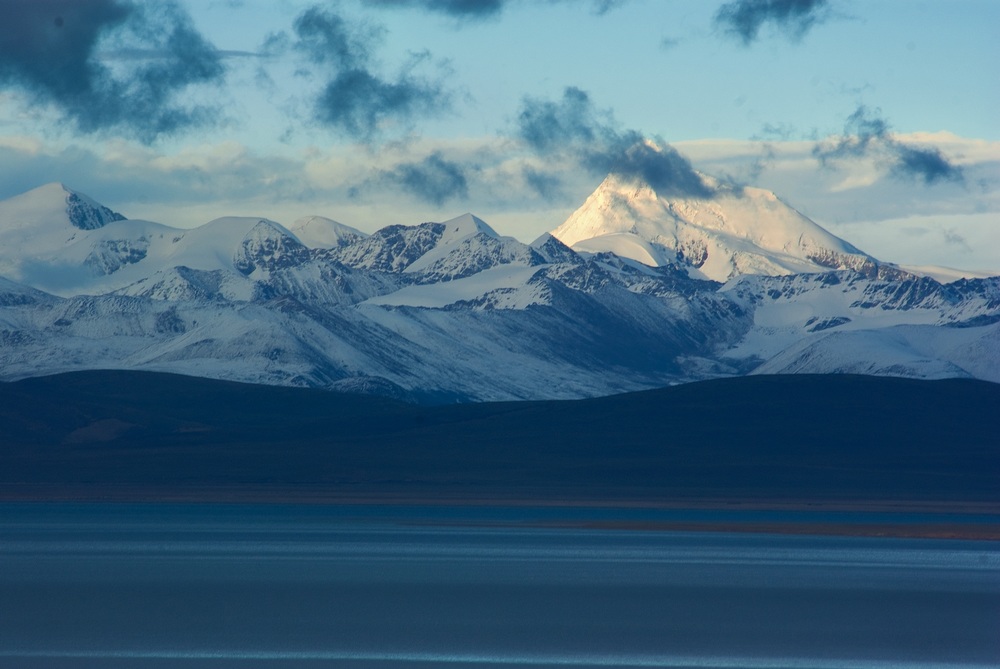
{"x": 374, "y": 587}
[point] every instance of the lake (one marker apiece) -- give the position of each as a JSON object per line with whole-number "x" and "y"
{"x": 170, "y": 585}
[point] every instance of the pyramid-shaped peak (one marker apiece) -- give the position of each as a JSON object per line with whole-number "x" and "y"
{"x": 55, "y": 204}
{"x": 732, "y": 231}
{"x": 465, "y": 225}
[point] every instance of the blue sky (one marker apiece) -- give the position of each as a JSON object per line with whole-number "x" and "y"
{"x": 877, "y": 119}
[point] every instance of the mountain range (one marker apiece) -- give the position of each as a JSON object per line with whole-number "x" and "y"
{"x": 635, "y": 290}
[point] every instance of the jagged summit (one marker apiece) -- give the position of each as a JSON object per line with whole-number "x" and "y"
{"x": 733, "y": 231}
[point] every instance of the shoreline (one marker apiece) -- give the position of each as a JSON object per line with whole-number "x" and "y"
{"x": 626, "y": 499}
{"x": 901, "y": 519}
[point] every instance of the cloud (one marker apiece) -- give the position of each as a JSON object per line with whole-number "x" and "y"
{"x": 476, "y": 10}
{"x": 435, "y": 179}
{"x": 328, "y": 38}
{"x": 141, "y": 182}
{"x": 572, "y": 128}
{"x": 955, "y": 239}
{"x": 928, "y": 164}
{"x": 544, "y": 184}
{"x": 668, "y": 43}
{"x": 52, "y": 52}
{"x": 355, "y": 100}
{"x": 743, "y": 19}
{"x": 547, "y": 126}
{"x": 466, "y": 9}
{"x": 867, "y": 135}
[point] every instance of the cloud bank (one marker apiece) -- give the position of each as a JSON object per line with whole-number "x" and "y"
{"x": 867, "y": 135}
{"x": 434, "y": 179}
{"x": 743, "y": 19}
{"x": 52, "y": 52}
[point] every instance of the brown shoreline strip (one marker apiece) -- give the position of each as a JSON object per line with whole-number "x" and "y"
{"x": 963, "y": 531}
{"x": 952, "y": 524}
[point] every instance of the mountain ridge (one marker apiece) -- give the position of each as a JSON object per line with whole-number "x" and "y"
{"x": 452, "y": 310}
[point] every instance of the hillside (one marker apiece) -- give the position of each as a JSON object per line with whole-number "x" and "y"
{"x": 823, "y": 439}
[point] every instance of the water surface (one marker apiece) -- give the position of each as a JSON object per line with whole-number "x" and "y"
{"x": 286, "y": 586}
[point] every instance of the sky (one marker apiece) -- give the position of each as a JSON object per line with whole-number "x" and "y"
{"x": 876, "y": 119}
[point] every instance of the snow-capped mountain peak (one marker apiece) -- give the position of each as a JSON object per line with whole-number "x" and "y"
{"x": 53, "y": 208}
{"x": 732, "y": 231}
{"x": 456, "y": 233}
{"x": 462, "y": 226}
{"x": 318, "y": 232}
{"x": 42, "y": 223}
{"x": 267, "y": 247}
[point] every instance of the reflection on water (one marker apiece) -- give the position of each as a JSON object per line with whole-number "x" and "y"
{"x": 217, "y": 586}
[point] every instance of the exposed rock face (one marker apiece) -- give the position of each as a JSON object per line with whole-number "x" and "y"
{"x": 86, "y": 214}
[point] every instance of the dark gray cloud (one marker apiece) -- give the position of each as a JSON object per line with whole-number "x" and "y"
{"x": 51, "y": 50}
{"x": 928, "y": 164}
{"x": 548, "y": 126}
{"x": 466, "y": 9}
{"x": 481, "y": 9}
{"x": 355, "y": 100}
{"x": 867, "y": 134}
{"x": 743, "y": 19}
{"x": 327, "y": 38}
{"x": 434, "y": 179}
{"x": 572, "y": 128}
{"x": 544, "y": 184}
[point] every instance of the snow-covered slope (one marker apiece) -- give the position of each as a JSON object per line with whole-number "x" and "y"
{"x": 945, "y": 274}
{"x": 41, "y": 233}
{"x": 454, "y": 311}
{"x": 318, "y": 232}
{"x": 733, "y": 231}
{"x": 63, "y": 242}
{"x": 915, "y": 351}
{"x": 845, "y": 322}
